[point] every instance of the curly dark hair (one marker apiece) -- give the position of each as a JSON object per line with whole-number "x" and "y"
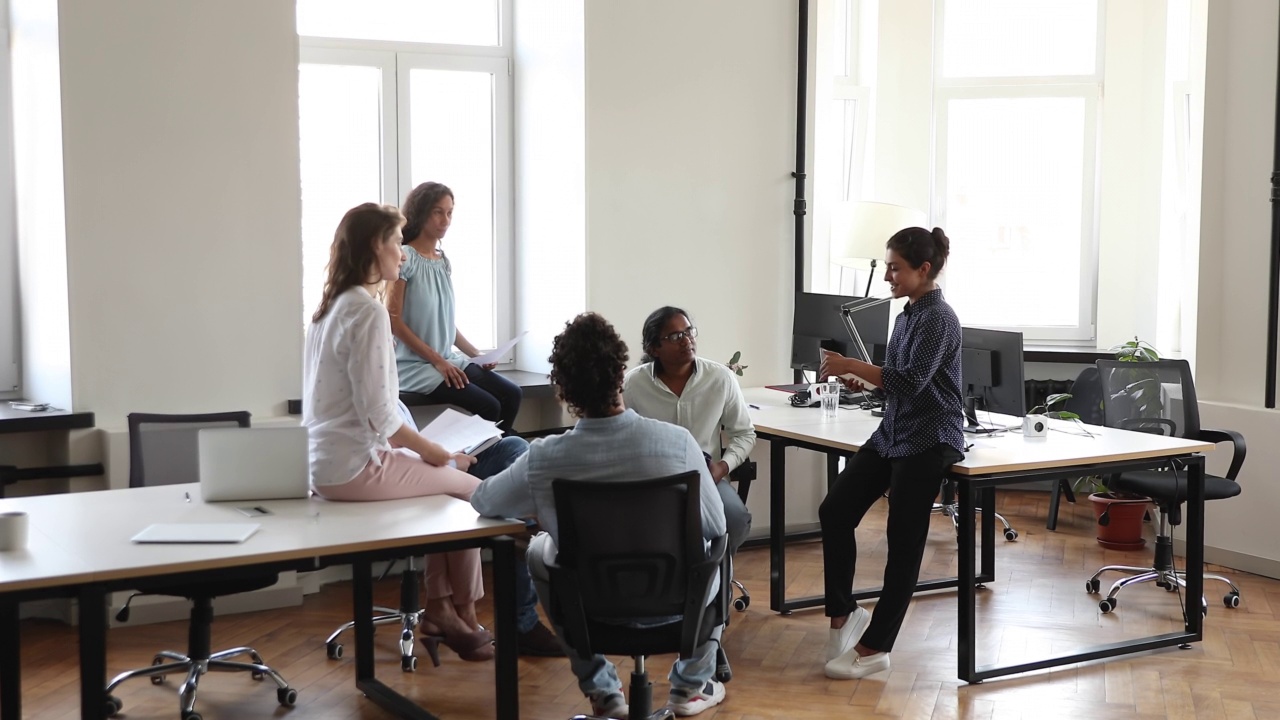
{"x": 418, "y": 205}
{"x": 588, "y": 361}
{"x": 918, "y": 246}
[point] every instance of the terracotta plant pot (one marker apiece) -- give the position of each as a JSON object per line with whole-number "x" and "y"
{"x": 1123, "y": 528}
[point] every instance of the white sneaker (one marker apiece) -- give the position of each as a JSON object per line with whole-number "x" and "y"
{"x": 692, "y": 702}
{"x": 851, "y": 665}
{"x": 842, "y": 640}
{"x": 609, "y": 705}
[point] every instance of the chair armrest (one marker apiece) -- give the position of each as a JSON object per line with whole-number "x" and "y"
{"x": 1237, "y": 442}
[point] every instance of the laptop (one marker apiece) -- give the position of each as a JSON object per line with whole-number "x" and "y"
{"x": 238, "y": 464}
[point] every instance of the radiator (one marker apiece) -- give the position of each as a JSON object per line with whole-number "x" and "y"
{"x": 1035, "y": 391}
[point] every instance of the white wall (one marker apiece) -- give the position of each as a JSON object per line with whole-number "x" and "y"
{"x": 1239, "y": 126}
{"x": 550, "y": 169}
{"x": 180, "y": 157}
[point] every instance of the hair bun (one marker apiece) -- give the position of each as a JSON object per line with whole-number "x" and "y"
{"x": 942, "y": 241}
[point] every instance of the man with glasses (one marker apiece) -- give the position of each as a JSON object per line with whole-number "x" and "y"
{"x": 675, "y": 385}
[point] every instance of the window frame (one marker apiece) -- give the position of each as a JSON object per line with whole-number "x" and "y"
{"x": 10, "y": 320}
{"x": 1088, "y": 88}
{"x": 396, "y": 59}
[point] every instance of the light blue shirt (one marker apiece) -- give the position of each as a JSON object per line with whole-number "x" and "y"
{"x": 428, "y": 311}
{"x": 618, "y": 448}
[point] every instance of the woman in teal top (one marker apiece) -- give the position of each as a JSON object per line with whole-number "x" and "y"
{"x": 421, "y": 304}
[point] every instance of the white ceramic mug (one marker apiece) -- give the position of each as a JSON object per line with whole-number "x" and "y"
{"x": 13, "y": 530}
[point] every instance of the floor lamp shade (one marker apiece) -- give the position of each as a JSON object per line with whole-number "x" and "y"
{"x": 871, "y": 224}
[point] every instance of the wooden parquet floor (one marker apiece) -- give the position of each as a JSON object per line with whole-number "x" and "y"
{"x": 1037, "y": 604}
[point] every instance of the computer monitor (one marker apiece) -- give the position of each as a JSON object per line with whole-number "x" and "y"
{"x": 817, "y": 323}
{"x": 991, "y": 363}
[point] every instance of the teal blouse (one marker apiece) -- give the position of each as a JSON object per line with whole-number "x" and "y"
{"x": 428, "y": 311}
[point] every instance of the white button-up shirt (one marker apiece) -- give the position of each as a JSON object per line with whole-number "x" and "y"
{"x": 711, "y": 401}
{"x": 350, "y": 390}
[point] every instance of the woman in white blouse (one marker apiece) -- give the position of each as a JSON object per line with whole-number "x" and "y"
{"x": 361, "y": 446}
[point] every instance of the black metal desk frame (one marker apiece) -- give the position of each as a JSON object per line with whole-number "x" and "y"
{"x": 979, "y": 490}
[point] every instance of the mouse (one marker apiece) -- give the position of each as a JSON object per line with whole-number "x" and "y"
{"x": 877, "y": 413}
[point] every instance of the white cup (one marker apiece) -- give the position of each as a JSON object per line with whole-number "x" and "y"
{"x": 13, "y": 530}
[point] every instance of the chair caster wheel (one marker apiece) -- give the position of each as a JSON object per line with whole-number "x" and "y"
{"x": 157, "y": 679}
{"x": 1231, "y": 600}
{"x": 192, "y": 716}
{"x": 742, "y": 603}
{"x": 114, "y": 706}
{"x": 1010, "y": 535}
{"x": 333, "y": 650}
{"x": 408, "y": 663}
{"x": 255, "y": 675}
{"x": 1092, "y": 586}
{"x": 1106, "y": 605}
{"x": 286, "y": 696}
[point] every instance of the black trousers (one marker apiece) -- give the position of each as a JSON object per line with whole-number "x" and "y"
{"x": 912, "y": 483}
{"x": 488, "y": 395}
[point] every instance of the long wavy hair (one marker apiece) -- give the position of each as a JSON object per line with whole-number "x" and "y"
{"x": 588, "y": 361}
{"x": 352, "y": 256}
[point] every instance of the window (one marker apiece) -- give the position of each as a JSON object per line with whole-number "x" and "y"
{"x": 1017, "y": 86}
{"x": 389, "y": 110}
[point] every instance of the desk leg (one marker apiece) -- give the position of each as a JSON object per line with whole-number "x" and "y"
{"x": 93, "y": 652}
{"x": 966, "y": 592}
{"x": 1195, "y": 545}
{"x": 362, "y": 607}
{"x": 506, "y": 670}
{"x": 778, "y": 527}
{"x": 988, "y": 501}
{"x": 10, "y": 662}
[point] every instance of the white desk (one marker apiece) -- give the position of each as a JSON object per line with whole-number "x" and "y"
{"x": 993, "y": 461}
{"x": 80, "y": 547}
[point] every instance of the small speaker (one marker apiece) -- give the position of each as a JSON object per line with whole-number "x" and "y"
{"x": 1035, "y": 426}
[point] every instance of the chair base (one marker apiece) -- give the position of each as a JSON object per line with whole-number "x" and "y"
{"x": 640, "y": 698}
{"x": 408, "y": 617}
{"x": 952, "y": 510}
{"x": 194, "y": 669}
{"x": 1162, "y": 573}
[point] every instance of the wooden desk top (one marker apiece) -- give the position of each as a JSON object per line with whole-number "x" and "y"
{"x": 1066, "y": 446}
{"x": 86, "y": 536}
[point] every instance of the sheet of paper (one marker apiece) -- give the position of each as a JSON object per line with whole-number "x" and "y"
{"x": 495, "y": 355}
{"x": 865, "y": 383}
{"x": 456, "y": 431}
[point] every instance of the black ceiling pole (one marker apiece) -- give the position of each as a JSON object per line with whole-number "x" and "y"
{"x": 802, "y": 102}
{"x": 1273, "y": 300}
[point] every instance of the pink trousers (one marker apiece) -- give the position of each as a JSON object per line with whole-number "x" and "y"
{"x": 403, "y": 474}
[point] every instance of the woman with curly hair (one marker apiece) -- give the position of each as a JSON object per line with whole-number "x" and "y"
{"x": 609, "y": 443}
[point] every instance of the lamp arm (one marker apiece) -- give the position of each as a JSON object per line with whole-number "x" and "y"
{"x": 846, "y": 314}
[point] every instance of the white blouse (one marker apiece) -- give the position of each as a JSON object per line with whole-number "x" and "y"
{"x": 350, "y": 391}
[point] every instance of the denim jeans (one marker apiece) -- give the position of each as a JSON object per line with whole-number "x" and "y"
{"x": 596, "y": 675}
{"x": 491, "y": 462}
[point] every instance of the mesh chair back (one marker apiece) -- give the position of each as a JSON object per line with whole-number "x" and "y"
{"x": 630, "y": 543}
{"x": 1157, "y": 397}
{"x": 163, "y": 448}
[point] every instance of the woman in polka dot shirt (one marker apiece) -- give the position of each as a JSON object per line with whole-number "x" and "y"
{"x": 918, "y": 439}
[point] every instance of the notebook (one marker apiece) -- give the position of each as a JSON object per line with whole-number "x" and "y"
{"x": 238, "y": 464}
{"x": 196, "y": 533}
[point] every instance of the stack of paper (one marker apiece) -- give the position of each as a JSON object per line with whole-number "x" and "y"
{"x": 461, "y": 433}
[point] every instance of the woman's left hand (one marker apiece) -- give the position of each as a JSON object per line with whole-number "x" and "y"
{"x": 489, "y": 366}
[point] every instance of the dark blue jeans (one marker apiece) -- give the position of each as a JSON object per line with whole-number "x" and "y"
{"x": 488, "y": 395}
{"x": 491, "y": 462}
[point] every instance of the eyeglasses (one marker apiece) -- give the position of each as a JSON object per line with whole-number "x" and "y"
{"x": 676, "y": 337}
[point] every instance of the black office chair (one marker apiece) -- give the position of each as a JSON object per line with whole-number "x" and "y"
{"x": 163, "y": 450}
{"x": 631, "y": 550}
{"x": 743, "y": 475}
{"x": 1160, "y": 397}
{"x": 950, "y": 507}
{"x": 407, "y": 616}
{"x": 1085, "y": 401}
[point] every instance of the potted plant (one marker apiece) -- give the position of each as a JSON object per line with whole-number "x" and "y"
{"x": 1120, "y": 514}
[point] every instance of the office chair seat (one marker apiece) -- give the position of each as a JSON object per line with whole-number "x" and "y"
{"x": 1163, "y": 488}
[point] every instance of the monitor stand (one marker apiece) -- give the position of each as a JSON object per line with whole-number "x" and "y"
{"x": 971, "y": 425}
